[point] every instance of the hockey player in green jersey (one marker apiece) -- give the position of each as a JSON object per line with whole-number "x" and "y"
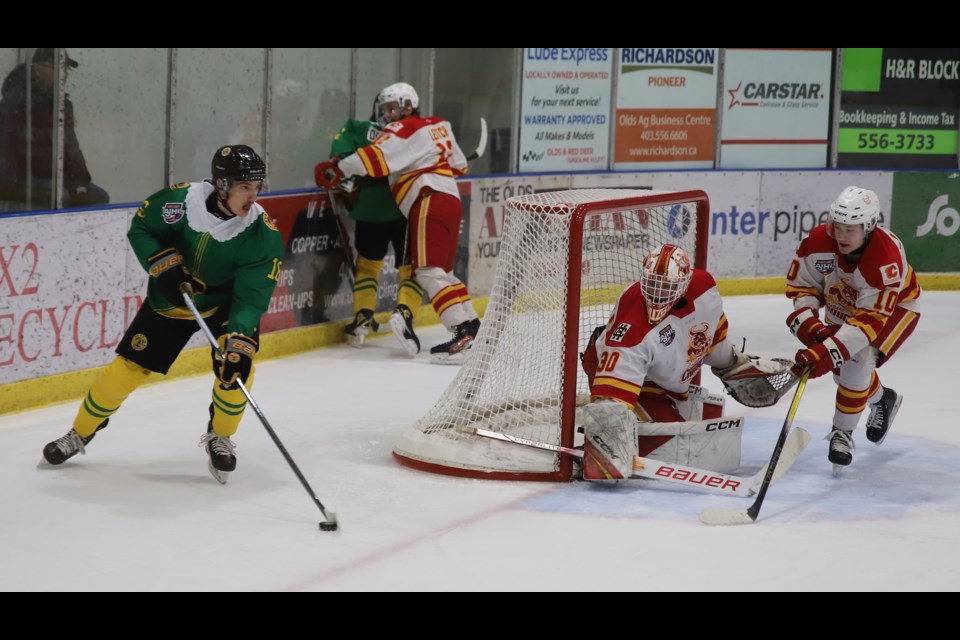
{"x": 379, "y": 224}
{"x": 210, "y": 238}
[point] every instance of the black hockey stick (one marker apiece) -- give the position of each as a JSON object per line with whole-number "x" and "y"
{"x": 335, "y": 207}
{"x": 749, "y": 515}
{"x": 330, "y": 519}
{"x": 482, "y": 144}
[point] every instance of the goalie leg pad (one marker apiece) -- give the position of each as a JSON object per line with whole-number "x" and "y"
{"x": 754, "y": 381}
{"x": 610, "y": 440}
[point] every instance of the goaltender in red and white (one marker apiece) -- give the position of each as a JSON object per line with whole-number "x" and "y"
{"x": 641, "y": 363}
{"x": 422, "y": 158}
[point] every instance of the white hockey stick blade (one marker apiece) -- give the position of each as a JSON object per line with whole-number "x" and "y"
{"x": 482, "y": 144}
{"x": 796, "y": 442}
{"x": 647, "y": 468}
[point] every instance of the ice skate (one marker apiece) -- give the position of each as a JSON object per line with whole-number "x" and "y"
{"x": 222, "y": 453}
{"x": 361, "y": 326}
{"x": 453, "y": 350}
{"x": 64, "y": 448}
{"x": 841, "y": 449}
{"x": 401, "y": 321}
{"x": 882, "y": 414}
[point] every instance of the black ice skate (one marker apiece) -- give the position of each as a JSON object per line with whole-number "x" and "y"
{"x": 453, "y": 350}
{"x": 401, "y": 321}
{"x": 62, "y": 449}
{"x": 841, "y": 449}
{"x": 222, "y": 452}
{"x": 361, "y": 326}
{"x": 882, "y": 414}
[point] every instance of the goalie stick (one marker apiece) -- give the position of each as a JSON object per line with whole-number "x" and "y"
{"x": 690, "y": 477}
{"x": 481, "y": 144}
{"x": 329, "y": 518}
{"x": 749, "y": 515}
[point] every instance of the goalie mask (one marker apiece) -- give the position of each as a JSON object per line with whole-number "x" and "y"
{"x": 666, "y": 276}
{"x": 402, "y": 93}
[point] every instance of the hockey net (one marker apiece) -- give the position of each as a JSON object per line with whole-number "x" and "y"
{"x": 565, "y": 257}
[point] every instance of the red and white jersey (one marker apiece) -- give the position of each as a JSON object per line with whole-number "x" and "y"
{"x": 632, "y": 355}
{"x": 859, "y": 294}
{"x": 416, "y": 153}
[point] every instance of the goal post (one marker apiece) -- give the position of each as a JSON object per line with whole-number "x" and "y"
{"x": 565, "y": 257}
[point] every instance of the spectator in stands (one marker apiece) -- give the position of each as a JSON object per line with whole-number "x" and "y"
{"x": 18, "y": 141}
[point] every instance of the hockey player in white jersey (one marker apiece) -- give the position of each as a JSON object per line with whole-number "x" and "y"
{"x": 859, "y": 273}
{"x": 422, "y": 158}
{"x": 640, "y": 365}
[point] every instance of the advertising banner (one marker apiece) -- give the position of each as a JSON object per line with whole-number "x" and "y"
{"x": 776, "y": 109}
{"x": 898, "y": 108}
{"x": 757, "y": 219}
{"x": 666, "y": 108}
{"x": 565, "y": 109}
{"x": 487, "y": 205}
{"x": 926, "y": 218}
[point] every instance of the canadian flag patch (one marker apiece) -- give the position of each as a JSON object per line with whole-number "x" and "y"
{"x": 890, "y": 273}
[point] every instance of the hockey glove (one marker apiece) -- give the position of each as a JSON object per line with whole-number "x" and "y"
{"x": 805, "y": 324}
{"x": 327, "y": 174}
{"x": 172, "y": 278}
{"x": 825, "y": 357}
{"x": 238, "y": 351}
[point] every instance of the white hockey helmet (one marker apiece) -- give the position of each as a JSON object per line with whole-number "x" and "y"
{"x": 856, "y": 206}
{"x": 401, "y": 93}
{"x": 666, "y": 275}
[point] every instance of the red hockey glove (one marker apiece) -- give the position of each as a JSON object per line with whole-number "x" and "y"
{"x": 805, "y": 324}
{"x": 824, "y": 357}
{"x": 328, "y": 174}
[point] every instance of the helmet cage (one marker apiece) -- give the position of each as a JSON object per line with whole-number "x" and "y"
{"x": 665, "y": 279}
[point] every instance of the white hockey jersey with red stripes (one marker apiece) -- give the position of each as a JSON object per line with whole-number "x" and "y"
{"x": 416, "y": 153}
{"x": 858, "y": 295}
{"x": 632, "y": 355}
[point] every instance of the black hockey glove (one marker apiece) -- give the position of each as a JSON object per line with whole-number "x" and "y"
{"x": 238, "y": 351}
{"x": 167, "y": 268}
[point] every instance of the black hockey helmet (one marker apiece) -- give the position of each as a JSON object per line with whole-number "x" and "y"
{"x": 237, "y": 162}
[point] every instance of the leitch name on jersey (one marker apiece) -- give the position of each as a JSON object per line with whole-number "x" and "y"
{"x": 416, "y": 153}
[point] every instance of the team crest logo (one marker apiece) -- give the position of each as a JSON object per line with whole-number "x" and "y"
{"x": 172, "y": 212}
{"x": 824, "y": 266}
{"x": 267, "y": 220}
{"x": 667, "y": 334}
{"x": 139, "y": 342}
{"x": 620, "y": 332}
{"x": 890, "y": 273}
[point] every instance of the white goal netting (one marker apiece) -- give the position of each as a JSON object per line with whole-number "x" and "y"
{"x": 565, "y": 257}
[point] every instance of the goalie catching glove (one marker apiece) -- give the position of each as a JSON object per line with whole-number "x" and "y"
{"x": 755, "y": 382}
{"x": 327, "y": 174}
{"x": 806, "y": 325}
{"x": 238, "y": 351}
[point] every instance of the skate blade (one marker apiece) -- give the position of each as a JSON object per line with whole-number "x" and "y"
{"x": 356, "y": 340}
{"x": 838, "y": 470}
{"x": 399, "y": 326}
{"x": 219, "y": 476}
{"x": 447, "y": 358}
